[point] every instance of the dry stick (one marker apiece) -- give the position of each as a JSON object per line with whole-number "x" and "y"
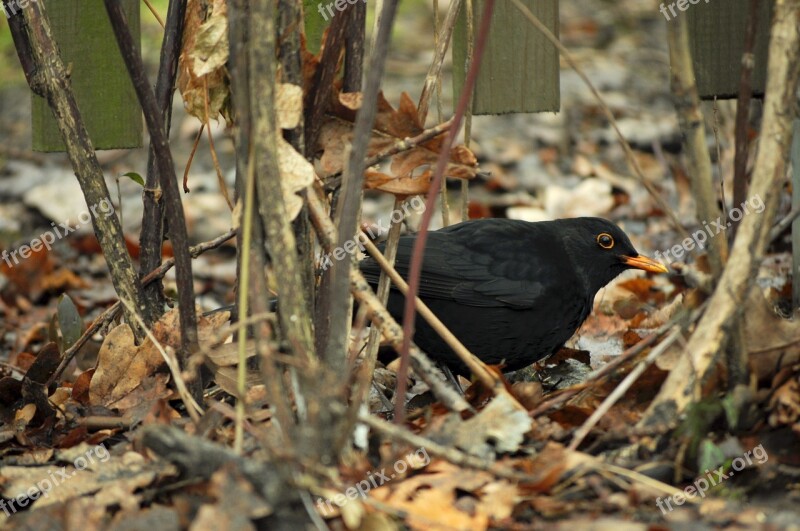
{"x": 220, "y": 179}
{"x": 383, "y": 295}
{"x": 783, "y": 224}
{"x": 294, "y": 311}
{"x": 378, "y": 313}
{"x": 169, "y": 184}
{"x": 337, "y": 294}
{"x": 112, "y": 311}
{"x": 620, "y": 390}
{"x": 154, "y": 12}
{"x": 453, "y": 455}
{"x": 191, "y": 158}
{"x": 436, "y": 39}
{"x": 244, "y": 279}
{"x": 430, "y": 204}
{"x": 151, "y": 236}
{"x": 468, "y": 114}
{"x": 442, "y": 41}
{"x": 424, "y": 367}
{"x": 334, "y": 179}
{"x": 475, "y": 365}
{"x": 604, "y": 371}
{"x": 743, "y": 111}
{"x": 687, "y": 105}
{"x": 460, "y": 458}
{"x": 632, "y": 161}
{"x": 684, "y": 383}
{"x": 46, "y": 75}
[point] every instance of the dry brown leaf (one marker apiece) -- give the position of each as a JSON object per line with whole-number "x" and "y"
{"x": 784, "y": 406}
{"x": 499, "y": 427}
{"x": 201, "y": 67}
{"x": 772, "y": 342}
{"x": 296, "y": 174}
{"x": 436, "y": 499}
{"x": 289, "y": 105}
{"x": 122, "y": 365}
{"x": 210, "y": 51}
{"x": 409, "y": 172}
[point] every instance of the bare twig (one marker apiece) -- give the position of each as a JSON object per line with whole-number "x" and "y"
{"x": 334, "y": 180}
{"x": 475, "y": 365}
{"x": 442, "y": 42}
{"x": 112, "y": 311}
{"x": 684, "y": 383}
{"x": 743, "y": 111}
{"x": 169, "y": 184}
{"x": 604, "y": 371}
{"x": 335, "y": 295}
{"x": 378, "y": 313}
{"x": 419, "y": 244}
{"x": 687, "y": 103}
{"x": 152, "y": 233}
{"x": 631, "y": 158}
{"x": 622, "y": 388}
{"x": 47, "y": 76}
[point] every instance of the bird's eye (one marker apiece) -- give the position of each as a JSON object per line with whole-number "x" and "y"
{"x": 605, "y": 240}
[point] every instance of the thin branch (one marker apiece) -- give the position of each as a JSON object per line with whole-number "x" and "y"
{"x": 334, "y": 180}
{"x": 152, "y": 233}
{"x": 684, "y": 383}
{"x": 169, "y": 184}
{"x": 422, "y": 236}
{"x": 631, "y": 158}
{"x": 743, "y": 111}
{"x": 687, "y": 104}
{"x": 378, "y": 313}
{"x": 112, "y": 311}
{"x": 336, "y": 298}
{"x": 49, "y": 78}
{"x": 435, "y": 70}
{"x": 622, "y": 388}
{"x": 475, "y": 365}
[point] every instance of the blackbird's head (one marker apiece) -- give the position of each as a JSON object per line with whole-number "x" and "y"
{"x": 600, "y": 251}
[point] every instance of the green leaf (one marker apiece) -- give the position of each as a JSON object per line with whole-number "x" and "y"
{"x": 69, "y": 321}
{"x": 709, "y": 456}
{"x": 135, "y": 177}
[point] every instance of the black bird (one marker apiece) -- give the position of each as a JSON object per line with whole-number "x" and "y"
{"x": 512, "y": 291}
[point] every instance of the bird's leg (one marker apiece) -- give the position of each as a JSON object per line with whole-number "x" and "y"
{"x": 451, "y": 378}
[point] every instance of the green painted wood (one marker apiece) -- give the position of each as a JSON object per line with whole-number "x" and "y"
{"x": 716, "y": 37}
{"x": 103, "y": 90}
{"x": 520, "y": 67}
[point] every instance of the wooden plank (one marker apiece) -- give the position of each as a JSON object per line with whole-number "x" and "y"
{"x": 103, "y": 90}
{"x": 716, "y": 37}
{"x": 520, "y": 67}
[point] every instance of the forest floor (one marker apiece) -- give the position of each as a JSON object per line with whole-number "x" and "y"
{"x": 734, "y": 462}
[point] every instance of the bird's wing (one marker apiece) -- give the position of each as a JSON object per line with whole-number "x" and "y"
{"x": 485, "y": 264}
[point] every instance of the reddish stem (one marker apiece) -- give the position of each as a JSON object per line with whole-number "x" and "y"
{"x": 430, "y": 205}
